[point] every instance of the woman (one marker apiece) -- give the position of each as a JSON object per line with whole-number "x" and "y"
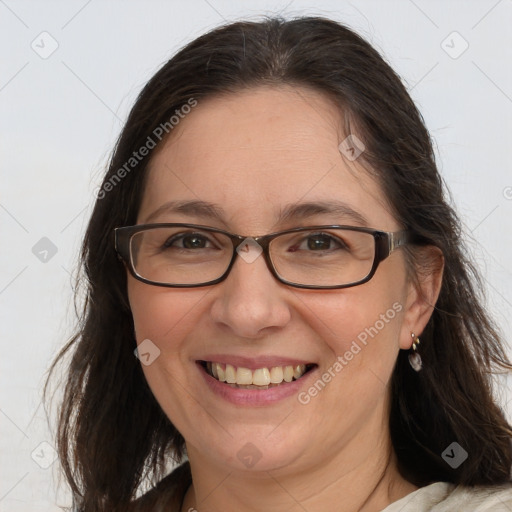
{"x": 272, "y": 242}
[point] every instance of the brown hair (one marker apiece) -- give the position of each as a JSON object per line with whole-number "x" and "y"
{"x": 113, "y": 434}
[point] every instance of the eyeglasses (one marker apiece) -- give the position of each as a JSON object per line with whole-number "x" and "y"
{"x": 316, "y": 257}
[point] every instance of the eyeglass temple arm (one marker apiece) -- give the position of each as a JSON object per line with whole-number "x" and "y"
{"x": 401, "y": 238}
{"x": 121, "y": 238}
{"x": 398, "y": 239}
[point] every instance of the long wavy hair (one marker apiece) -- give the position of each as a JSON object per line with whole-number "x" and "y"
{"x": 112, "y": 434}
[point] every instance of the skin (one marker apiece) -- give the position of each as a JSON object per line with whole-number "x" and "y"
{"x": 252, "y": 153}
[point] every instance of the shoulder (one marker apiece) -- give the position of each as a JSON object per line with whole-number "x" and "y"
{"x": 447, "y": 497}
{"x": 482, "y": 499}
{"x": 167, "y": 495}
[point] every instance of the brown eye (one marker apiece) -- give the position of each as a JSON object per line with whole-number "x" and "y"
{"x": 188, "y": 241}
{"x": 319, "y": 242}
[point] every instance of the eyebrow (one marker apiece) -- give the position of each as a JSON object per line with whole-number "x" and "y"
{"x": 304, "y": 211}
{"x": 201, "y": 209}
{"x": 291, "y": 212}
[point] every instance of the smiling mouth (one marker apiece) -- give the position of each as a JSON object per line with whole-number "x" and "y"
{"x": 260, "y": 378}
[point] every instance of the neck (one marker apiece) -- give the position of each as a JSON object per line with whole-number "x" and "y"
{"x": 335, "y": 483}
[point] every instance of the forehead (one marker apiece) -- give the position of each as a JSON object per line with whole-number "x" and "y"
{"x": 255, "y": 153}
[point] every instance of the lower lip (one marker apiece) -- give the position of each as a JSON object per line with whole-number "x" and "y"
{"x": 254, "y": 397}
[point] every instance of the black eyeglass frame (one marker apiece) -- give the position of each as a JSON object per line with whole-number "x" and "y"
{"x": 385, "y": 243}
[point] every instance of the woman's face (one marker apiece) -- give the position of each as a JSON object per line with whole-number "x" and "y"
{"x": 241, "y": 162}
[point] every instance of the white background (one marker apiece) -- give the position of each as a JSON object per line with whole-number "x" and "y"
{"x": 60, "y": 116}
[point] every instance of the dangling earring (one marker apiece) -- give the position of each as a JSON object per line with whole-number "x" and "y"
{"x": 414, "y": 357}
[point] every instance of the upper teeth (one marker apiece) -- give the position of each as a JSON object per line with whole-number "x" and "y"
{"x": 259, "y": 377}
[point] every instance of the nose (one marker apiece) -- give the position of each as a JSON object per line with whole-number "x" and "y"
{"x": 250, "y": 301}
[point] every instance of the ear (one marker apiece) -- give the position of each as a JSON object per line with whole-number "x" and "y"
{"x": 422, "y": 292}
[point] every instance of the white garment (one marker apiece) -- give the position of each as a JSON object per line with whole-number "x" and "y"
{"x": 447, "y": 497}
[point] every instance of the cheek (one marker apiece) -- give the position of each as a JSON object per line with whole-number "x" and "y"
{"x": 164, "y": 315}
{"x": 359, "y": 331}
{"x": 359, "y": 325}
